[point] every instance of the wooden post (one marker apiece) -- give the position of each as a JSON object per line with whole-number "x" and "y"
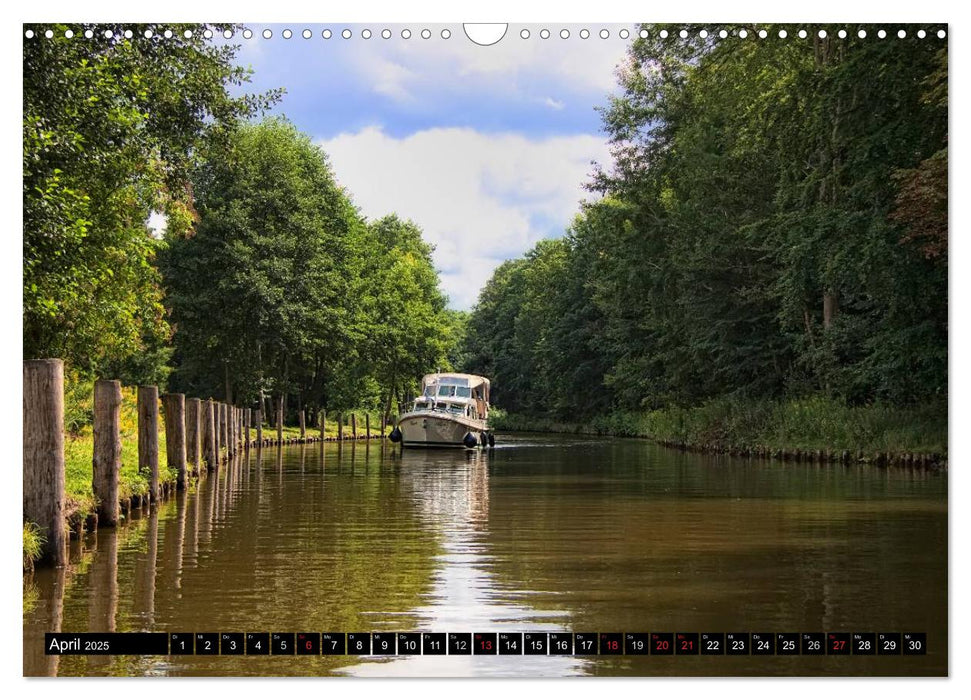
{"x": 340, "y": 426}
{"x": 279, "y": 421}
{"x": 231, "y": 423}
{"x": 193, "y": 433}
{"x": 107, "y": 449}
{"x": 224, "y": 427}
{"x": 174, "y": 405}
{"x": 367, "y": 425}
{"x": 148, "y": 437}
{"x": 354, "y": 426}
{"x": 303, "y": 424}
{"x": 323, "y": 424}
{"x": 249, "y": 417}
{"x": 259, "y": 427}
{"x": 210, "y": 453}
{"x": 44, "y": 454}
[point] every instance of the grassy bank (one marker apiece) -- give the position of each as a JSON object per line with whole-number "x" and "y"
{"x": 874, "y": 432}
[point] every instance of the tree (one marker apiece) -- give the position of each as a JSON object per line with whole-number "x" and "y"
{"x": 261, "y": 291}
{"x": 409, "y": 330}
{"x": 111, "y": 127}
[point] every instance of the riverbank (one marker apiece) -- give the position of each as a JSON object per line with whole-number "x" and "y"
{"x": 814, "y": 429}
{"x": 133, "y": 485}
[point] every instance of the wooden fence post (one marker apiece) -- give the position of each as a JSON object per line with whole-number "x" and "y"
{"x": 340, "y": 426}
{"x": 303, "y": 424}
{"x": 193, "y": 433}
{"x": 249, "y": 417}
{"x": 323, "y": 424}
{"x": 44, "y": 454}
{"x": 148, "y": 437}
{"x": 231, "y": 427}
{"x": 106, "y": 462}
{"x": 217, "y": 428}
{"x": 211, "y": 428}
{"x": 209, "y": 451}
{"x": 224, "y": 427}
{"x": 354, "y": 426}
{"x": 259, "y": 427}
{"x": 367, "y": 425}
{"x": 174, "y": 405}
{"x": 279, "y": 421}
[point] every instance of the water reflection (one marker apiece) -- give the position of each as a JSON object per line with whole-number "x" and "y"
{"x": 451, "y": 490}
{"x": 539, "y": 534}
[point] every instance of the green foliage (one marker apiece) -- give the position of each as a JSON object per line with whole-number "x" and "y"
{"x": 111, "y": 128}
{"x": 773, "y": 224}
{"x": 282, "y": 289}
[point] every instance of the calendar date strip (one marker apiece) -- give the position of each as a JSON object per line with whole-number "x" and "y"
{"x": 487, "y": 643}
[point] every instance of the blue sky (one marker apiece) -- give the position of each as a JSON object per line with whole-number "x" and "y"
{"x": 485, "y": 148}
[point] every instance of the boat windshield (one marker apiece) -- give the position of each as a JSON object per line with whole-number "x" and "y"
{"x": 451, "y": 390}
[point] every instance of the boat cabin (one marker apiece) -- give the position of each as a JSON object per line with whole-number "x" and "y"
{"x": 458, "y": 394}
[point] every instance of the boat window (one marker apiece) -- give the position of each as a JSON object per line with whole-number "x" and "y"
{"x": 455, "y": 408}
{"x": 463, "y": 391}
{"x": 421, "y": 405}
{"x": 441, "y": 407}
{"x": 446, "y": 390}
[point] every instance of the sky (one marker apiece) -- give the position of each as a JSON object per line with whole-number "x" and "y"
{"x": 485, "y": 148}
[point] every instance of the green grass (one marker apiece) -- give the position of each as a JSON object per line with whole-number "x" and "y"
{"x": 815, "y": 423}
{"x": 33, "y": 544}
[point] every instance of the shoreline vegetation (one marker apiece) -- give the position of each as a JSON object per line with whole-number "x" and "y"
{"x": 807, "y": 430}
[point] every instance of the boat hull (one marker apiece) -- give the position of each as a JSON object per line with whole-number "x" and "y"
{"x": 434, "y": 429}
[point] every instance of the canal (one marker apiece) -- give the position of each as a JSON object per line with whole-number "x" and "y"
{"x": 542, "y": 533}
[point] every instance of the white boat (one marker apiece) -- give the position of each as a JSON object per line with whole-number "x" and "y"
{"x": 452, "y": 411}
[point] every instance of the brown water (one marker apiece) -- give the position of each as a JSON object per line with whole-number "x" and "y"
{"x": 540, "y": 534}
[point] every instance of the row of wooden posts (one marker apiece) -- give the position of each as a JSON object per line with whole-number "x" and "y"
{"x": 197, "y": 432}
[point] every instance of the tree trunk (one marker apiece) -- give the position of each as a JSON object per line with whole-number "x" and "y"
{"x": 831, "y": 307}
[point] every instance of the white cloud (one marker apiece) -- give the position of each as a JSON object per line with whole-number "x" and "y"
{"x": 406, "y": 69}
{"x": 553, "y": 104}
{"x": 479, "y": 198}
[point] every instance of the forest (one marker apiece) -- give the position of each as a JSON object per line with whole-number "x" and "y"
{"x": 266, "y": 281}
{"x": 773, "y": 228}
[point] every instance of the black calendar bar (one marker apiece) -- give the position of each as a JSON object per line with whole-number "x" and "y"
{"x": 105, "y": 643}
{"x": 748, "y": 644}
